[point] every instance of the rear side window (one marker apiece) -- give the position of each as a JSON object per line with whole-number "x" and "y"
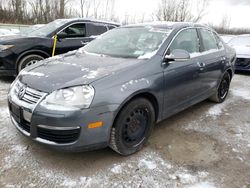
{"x": 74, "y": 31}
{"x": 96, "y": 29}
{"x": 219, "y": 42}
{"x": 186, "y": 40}
{"x": 209, "y": 41}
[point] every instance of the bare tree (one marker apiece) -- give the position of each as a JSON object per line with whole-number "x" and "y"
{"x": 225, "y": 22}
{"x": 201, "y": 8}
{"x": 180, "y": 10}
{"x": 62, "y": 8}
{"x": 82, "y": 7}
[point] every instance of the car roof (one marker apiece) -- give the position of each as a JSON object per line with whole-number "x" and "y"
{"x": 168, "y": 25}
{"x": 90, "y": 20}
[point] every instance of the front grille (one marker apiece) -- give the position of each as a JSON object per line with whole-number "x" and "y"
{"x": 242, "y": 62}
{"x": 59, "y": 136}
{"x": 31, "y": 96}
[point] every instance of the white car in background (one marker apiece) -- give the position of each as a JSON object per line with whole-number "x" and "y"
{"x": 241, "y": 44}
{"x": 227, "y": 38}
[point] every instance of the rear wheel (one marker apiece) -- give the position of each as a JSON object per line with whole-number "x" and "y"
{"x": 28, "y": 60}
{"x": 223, "y": 89}
{"x": 132, "y": 127}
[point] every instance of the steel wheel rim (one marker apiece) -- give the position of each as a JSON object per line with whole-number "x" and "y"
{"x": 135, "y": 127}
{"x": 224, "y": 87}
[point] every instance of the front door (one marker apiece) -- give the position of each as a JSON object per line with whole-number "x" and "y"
{"x": 71, "y": 38}
{"x": 182, "y": 78}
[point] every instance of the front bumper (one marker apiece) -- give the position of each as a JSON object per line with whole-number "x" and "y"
{"x": 63, "y": 130}
{"x": 7, "y": 64}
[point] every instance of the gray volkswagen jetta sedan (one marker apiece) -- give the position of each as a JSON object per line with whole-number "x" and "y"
{"x": 114, "y": 90}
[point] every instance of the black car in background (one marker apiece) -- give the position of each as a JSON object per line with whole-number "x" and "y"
{"x": 19, "y": 51}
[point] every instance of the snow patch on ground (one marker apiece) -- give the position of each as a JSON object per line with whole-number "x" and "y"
{"x": 139, "y": 171}
{"x": 69, "y": 183}
{"x": 202, "y": 185}
{"x": 117, "y": 169}
{"x": 148, "y": 163}
{"x": 241, "y": 92}
{"x": 215, "y": 110}
{"x": 4, "y": 87}
{"x": 218, "y": 109}
{"x": 4, "y": 114}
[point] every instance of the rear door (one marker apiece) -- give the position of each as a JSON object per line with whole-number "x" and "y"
{"x": 212, "y": 59}
{"x": 182, "y": 78}
{"x": 72, "y": 38}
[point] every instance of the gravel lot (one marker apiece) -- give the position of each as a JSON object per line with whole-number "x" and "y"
{"x": 205, "y": 146}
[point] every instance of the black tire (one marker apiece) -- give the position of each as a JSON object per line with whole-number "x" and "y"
{"x": 223, "y": 89}
{"x": 28, "y": 60}
{"x": 133, "y": 126}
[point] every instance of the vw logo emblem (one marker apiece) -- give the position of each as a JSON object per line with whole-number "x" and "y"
{"x": 22, "y": 92}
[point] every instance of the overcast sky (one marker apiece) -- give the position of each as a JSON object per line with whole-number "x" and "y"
{"x": 237, "y": 10}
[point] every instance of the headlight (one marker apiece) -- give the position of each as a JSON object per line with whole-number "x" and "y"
{"x": 5, "y": 47}
{"x": 70, "y": 99}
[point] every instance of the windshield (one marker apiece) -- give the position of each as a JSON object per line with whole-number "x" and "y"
{"x": 48, "y": 28}
{"x": 140, "y": 42}
{"x": 240, "y": 41}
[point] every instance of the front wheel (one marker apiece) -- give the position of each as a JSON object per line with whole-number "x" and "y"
{"x": 223, "y": 89}
{"x": 133, "y": 126}
{"x": 28, "y": 60}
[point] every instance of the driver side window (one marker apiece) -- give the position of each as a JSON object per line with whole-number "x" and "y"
{"x": 74, "y": 31}
{"x": 186, "y": 40}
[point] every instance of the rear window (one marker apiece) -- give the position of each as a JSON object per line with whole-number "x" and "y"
{"x": 209, "y": 40}
{"x": 96, "y": 29}
{"x": 219, "y": 42}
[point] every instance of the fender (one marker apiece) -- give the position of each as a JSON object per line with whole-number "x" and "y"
{"x": 138, "y": 93}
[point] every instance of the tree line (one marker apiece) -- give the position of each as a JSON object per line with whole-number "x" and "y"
{"x": 44, "y": 11}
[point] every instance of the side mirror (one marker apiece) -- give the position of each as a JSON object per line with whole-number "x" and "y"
{"x": 61, "y": 35}
{"x": 177, "y": 55}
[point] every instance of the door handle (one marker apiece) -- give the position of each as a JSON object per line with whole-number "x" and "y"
{"x": 201, "y": 65}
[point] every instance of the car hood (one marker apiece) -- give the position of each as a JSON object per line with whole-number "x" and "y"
{"x": 16, "y": 38}
{"x": 71, "y": 70}
{"x": 11, "y": 37}
{"x": 242, "y": 51}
